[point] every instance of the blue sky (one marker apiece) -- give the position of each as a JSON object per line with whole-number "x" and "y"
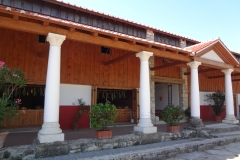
{"x": 201, "y": 20}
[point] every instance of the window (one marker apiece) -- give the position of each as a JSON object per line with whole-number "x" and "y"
{"x": 41, "y": 38}
{"x": 105, "y": 50}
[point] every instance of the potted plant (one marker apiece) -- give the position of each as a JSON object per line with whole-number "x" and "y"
{"x": 217, "y": 100}
{"x": 101, "y": 116}
{"x": 83, "y": 108}
{"x": 10, "y": 81}
{"x": 172, "y": 115}
{"x": 187, "y": 113}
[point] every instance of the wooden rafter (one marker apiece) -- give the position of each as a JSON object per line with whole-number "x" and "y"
{"x": 221, "y": 76}
{"x": 166, "y": 65}
{"x": 84, "y": 37}
{"x": 167, "y": 80}
{"x": 16, "y": 17}
{"x": 45, "y": 23}
{"x": 120, "y": 58}
{"x": 235, "y": 80}
{"x": 72, "y": 29}
{"x": 213, "y": 64}
{"x": 202, "y": 71}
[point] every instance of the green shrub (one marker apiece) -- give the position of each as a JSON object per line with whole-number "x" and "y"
{"x": 217, "y": 100}
{"x": 102, "y": 115}
{"x": 172, "y": 115}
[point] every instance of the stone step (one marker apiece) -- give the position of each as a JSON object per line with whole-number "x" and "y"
{"x": 164, "y": 143}
{"x": 167, "y": 151}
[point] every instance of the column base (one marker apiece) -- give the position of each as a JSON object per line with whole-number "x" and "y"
{"x": 48, "y": 138}
{"x": 145, "y": 129}
{"x": 195, "y": 123}
{"x": 50, "y": 132}
{"x": 230, "y": 121}
{"x": 145, "y": 126}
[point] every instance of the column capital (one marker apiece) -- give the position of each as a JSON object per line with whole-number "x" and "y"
{"x": 55, "y": 39}
{"x": 194, "y": 64}
{"x": 144, "y": 55}
{"x": 227, "y": 71}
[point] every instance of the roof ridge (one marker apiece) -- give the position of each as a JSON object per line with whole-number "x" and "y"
{"x": 198, "y": 44}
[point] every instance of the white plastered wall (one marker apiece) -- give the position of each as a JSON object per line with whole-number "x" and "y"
{"x": 69, "y": 94}
{"x": 161, "y": 90}
{"x": 211, "y": 55}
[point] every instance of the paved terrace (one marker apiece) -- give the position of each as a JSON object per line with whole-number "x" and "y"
{"x": 25, "y": 136}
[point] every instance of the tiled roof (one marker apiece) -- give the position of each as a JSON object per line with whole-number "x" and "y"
{"x": 121, "y": 19}
{"x": 200, "y": 46}
{"x": 235, "y": 53}
{"x": 121, "y": 35}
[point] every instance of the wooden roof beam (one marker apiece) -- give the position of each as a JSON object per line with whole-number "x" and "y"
{"x": 202, "y": 71}
{"x": 83, "y": 37}
{"x": 132, "y": 42}
{"x": 213, "y": 64}
{"x": 221, "y": 76}
{"x": 114, "y": 38}
{"x": 166, "y": 65}
{"x": 16, "y": 17}
{"x": 172, "y": 51}
{"x": 120, "y": 58}
{"x": 235, "y": 80}
{"x": 45, "y": 23}
{"x": 72, "y": 29}
{"x": 95, "y": 34}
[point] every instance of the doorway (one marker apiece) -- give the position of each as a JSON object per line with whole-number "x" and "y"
{"x": 165, "y": 94}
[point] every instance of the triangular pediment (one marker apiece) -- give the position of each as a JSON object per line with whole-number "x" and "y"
{"x": 213, "y": 51}
{"x": 212, "y": 55}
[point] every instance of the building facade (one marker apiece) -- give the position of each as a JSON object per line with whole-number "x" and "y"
{"x": 69, "y": 52}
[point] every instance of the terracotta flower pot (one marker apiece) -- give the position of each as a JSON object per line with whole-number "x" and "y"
{"x": 218, "y": 118}
{"x": 103, "y": 134}
{"x": 3, "y": 136}
{"x": 173, "y": 128}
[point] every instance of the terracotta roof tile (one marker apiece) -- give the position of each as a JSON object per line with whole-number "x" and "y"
{"x": 94, "y": 28}
{"x": 134, "y": 23}
{"x": 197, "y": 47}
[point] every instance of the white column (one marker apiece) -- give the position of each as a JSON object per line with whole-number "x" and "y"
{"x": 145, "y": 124}
{"x": 51, "y": 131}
{"x": 195, "y": 103}
{"x": 230, "y": 118}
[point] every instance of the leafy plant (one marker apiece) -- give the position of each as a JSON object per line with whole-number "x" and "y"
{"x": 102, "y": 115}
{"x": 83, "y": 108}
{"x": 172, "y": 115}
{"x": 217, "y": 100}
{"x": 10, "y": 80}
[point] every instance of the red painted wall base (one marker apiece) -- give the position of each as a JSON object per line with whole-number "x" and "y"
{"x": 207, "y": 114}
{"x": 66, "y": 114}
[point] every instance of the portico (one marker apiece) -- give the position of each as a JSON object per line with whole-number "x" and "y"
{"x": 215, "y": 55}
